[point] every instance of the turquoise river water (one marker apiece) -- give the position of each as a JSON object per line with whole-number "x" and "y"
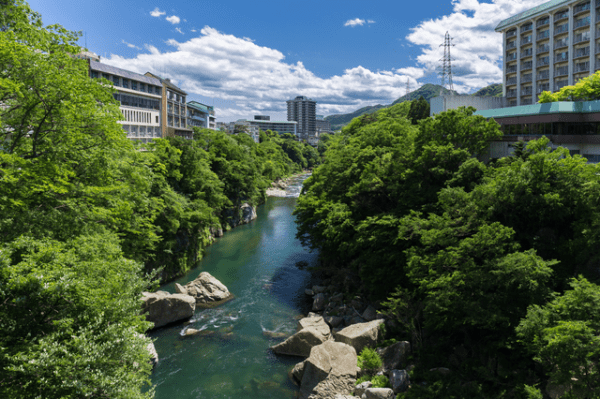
{"x": 231, "y": 356}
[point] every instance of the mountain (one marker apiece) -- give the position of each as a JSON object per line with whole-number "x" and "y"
{"x": 495, "y": 90}
{"x": 339, "y": 120}
{"x": 427, "y": 91}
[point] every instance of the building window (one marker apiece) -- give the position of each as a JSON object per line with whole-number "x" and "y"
{"x": 94, "y": 74}
{"x": 105, "y": 76}
{"x": 134, "y": 85}
{"x": 115, "y": 80}
{"x": 142, "y": 87}
{"x": 126, "y": 83}
{"x": 157, "y": 119}
{"x": 157, "y": 90}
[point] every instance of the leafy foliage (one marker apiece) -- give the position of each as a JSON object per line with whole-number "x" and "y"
{"x": 369, "y": 359}
{"x": 494, "y": 90}
{"x": 586, "y": 89}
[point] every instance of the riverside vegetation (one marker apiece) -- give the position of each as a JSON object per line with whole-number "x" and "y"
{"x": 490, "y": 270}
{"x": 89, "y": 220}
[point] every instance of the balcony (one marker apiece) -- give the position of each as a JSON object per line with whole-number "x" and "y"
{"x": 526, "y": 65}
{"x": 561, "y": 71}
{"x": 542, "y": 49}
{"x": 582, "y": 67}
{"x": 578, "y": 9}
{"x": 511, "y": 93}
{"x": 543, "y": 35}
{"x": 526, "y": 40}
{"x": 510, "y": 34}
{"x": 559, "y": 44}
{"x": 511, "y": 45}
{"x": 597, "y": 65}
{"x": 542, "y": 22}
{"x": 561, "y": 29}
{"x": 582, "y": 37}
{"x": 526, "y": 53}
{"x": 560, "y": 84}
{"x": 527, "y": 78}
{"x": 526, "y": 102}
{"x": 582, "y": 22}
{"x": 511, "y": 81}
{"x": 543, "y": 61}
{"x": 511, "y": 57}
{"x": 582, "y": 52}
{"x": 543, "y": 75}
{"x": 562, "y": 57}
{"x": 526, "y": 28}
{"x": 511, "y": 69}
{"x": 561, "y": 15}
{"x": 543, "y": 88}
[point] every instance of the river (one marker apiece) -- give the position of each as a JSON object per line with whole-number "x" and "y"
{"x": 231, "y": 356}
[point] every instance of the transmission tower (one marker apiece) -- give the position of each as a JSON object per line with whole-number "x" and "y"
{"x": 407, "y": 87}
{"x": 447, "y": 63}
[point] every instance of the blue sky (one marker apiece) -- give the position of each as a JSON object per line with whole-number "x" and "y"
{"x": 247, "y": 58}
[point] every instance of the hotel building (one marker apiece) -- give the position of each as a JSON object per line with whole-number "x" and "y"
{"x": 201, "y": 115}
{"x": 549, "y": 46}
{"x": 303, "y": 111}
{"x": 140, "y": 98}
{"x": 174, "y": 109}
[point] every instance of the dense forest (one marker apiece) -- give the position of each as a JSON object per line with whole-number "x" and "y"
{"x": 489, "y": 269}
{"x": 89, "y": 219}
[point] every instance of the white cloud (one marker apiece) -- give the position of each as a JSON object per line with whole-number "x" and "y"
{"x": 179, "y": 30}
{"x": 253, "y": 79}
{"x": 370, "y": 21}
{"x": 157, "y": 12}
{"x": 477, "y": 47}
{"x": 132, "y": 46}
{"x": 174, "y": 19}
{"x": 354, "y": 22}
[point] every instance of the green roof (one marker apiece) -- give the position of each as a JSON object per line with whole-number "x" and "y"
{"x": 559, "y": 107}
{"x": 529, "y": 13}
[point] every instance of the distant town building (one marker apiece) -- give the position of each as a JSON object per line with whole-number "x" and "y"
{"x": 262, "y": 117}
{"x": 173, "y": 110}
{"x": 244, "y": 125}
{"x": 303, "y": 111}
{"x": 140, "y": 98}
{"x": 222, "y": 126}
{"x": 200, "y": 115}
{"x": 322, "y": 125}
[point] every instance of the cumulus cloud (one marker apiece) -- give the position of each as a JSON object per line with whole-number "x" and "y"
{"x": 355, "y": 22}
{"x": 132, "y": 46}
{"x": 174, "y": 19}
{"x": 477, "y": 51}
{"x": 253, "y": 79}
{"x": 157, "y": 12}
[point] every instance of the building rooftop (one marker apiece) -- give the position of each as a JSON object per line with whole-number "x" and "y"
{"x": 527, "y": 14}
{"x": 559, "y": 107}
{"x": 200, "y": 106}
{"x": 108, "y": 69}
{"x": 167, "y": 82}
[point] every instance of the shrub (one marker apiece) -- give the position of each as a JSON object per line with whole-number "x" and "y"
{"x": 380, "y": 381}
{"x": 363, "y": 379}
{"x": 369, "y": 359}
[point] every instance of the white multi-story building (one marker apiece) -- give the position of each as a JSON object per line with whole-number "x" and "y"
{"x": 549, "y": 46}
{"x": 140, "y": 98}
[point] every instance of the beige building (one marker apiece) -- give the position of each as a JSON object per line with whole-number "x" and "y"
{"x": 549, "y": 46}
{"x": 140, "y": 98}
{"x": 174, "y": 109}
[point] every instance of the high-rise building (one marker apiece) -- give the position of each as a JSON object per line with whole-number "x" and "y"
{"x": 303, "y": 111}
{"x": 548, "y": 47}
{"x": 140, "y": 98}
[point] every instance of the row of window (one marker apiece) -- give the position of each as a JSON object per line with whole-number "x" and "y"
{"x": 171, "y": 95}
{"x": 139, "y": 116}
{"x": 135, "y": 131}
{"x": 556, "y": 128}
{"x": 129, "y": 83}
{"x": 176, "y": 122}
{"x": 137, "y": 101}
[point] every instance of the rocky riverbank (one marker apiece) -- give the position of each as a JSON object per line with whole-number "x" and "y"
{"x": 331, "y": 337}
{"x": 279, "y": 187}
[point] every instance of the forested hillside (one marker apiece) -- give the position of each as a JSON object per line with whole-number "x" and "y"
{"x": 488, "y": 270}
{"x": 494, "y": 90}
{"x": 89, "y": 220}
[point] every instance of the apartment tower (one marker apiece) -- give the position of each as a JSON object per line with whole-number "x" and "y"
{"x": 549, "y": 46}
{"x": 303, "y": 111}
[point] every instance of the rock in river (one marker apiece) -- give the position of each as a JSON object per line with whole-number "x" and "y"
{"x": 163, "y": 307}
{"x": 207, "y": 290}
{"x": 360, "y": 336}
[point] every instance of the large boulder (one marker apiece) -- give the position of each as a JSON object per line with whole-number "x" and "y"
{"x": 207, "y": 290}
{"x": 248, "y": 213}
{"x": 163, "y": 308}
{"x": 319, "y": 302}
{"x": 316, "y": 322}
{"x": 394, "y": 356}
{"x": 378, "y": 393}
{"x": 360, "y": 336}
{"x": 399, "y": 380}
{"x": 329, "y": 371}
{"x": 296, "y": 373}
{"x": 300, "y": 343}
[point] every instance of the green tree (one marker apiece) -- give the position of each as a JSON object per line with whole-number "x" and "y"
{"x": 419, "y": 109}
{"x": 586, "y": 89}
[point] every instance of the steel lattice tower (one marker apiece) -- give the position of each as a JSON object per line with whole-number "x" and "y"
{"x": 407, "y": 87}
{"x": 447, "y": 63}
